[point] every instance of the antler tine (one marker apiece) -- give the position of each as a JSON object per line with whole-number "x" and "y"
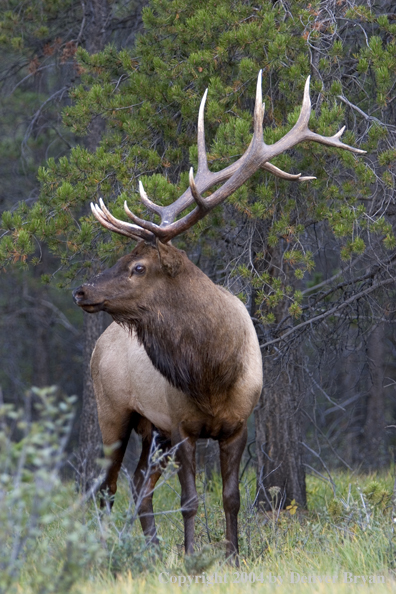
{"x": 202, "y": 158}
{"x": 259, "y": 109}
{"x": 156, "y": 208}
{"x": 297, "y": 134}
{"x": 194, "y": 191}
{"x": 334, "y": 141}
{"x": 282, "y": 174}
{"x": 104, "y": 216}
{"x": 152, "y": 228}
{"x": 204, "y": 177}
{"x": 301, "y": 132}
{"x": 303, "y": 118}
{"x": 105, "y": 223}
{"x": 98, "y": 217}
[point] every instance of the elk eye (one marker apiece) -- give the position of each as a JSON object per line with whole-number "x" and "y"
{"x": 139, "y": 269}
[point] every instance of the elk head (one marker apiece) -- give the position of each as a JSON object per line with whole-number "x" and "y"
{"x": 149, "y": 265}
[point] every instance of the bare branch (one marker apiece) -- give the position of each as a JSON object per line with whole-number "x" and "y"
{"x": 328, "y": 313}
{"x": 362, "y": 113}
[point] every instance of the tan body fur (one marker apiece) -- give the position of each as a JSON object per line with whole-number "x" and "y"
{"x": 139, "y": 387}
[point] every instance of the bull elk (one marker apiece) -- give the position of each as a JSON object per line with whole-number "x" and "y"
{"x": 183, "y": 356}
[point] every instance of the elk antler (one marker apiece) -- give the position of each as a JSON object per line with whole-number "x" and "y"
{"x": 256, "y": 157}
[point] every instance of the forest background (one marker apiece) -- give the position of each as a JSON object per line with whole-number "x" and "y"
{"x": 100, "y": 94}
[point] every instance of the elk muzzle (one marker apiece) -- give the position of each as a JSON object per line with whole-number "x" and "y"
{"x": 86, "y": 301}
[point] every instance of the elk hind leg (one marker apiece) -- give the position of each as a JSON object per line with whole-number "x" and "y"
{"x": 146, "y": 476}
{"x": 189, "y": 499}
{"x": 115, "y": 433}
{"x": 231, "y": 451}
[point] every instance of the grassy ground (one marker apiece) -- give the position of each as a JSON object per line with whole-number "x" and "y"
{"x": 55, "y": 542}
{"x": 323, "y": 549}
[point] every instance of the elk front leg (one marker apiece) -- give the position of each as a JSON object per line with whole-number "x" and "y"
{"x": 231, "y": 451}
{"x": 144, "y": 481}
{"x": 185, "y": 456}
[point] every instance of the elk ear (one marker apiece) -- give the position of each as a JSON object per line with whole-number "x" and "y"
{"x": 170, "y": 258}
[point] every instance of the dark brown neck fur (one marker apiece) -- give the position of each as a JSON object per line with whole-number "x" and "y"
{"x": 188, "y": 338}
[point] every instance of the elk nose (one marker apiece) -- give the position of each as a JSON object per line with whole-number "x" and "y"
{"x": 78, "y": 294}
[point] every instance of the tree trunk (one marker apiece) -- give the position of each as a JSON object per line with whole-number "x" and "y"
{"x": 281, "y": 475}
{"x": 374, "y": 434}
{"x": 280, "y": 471}
{"x": 349, "y": 386}
{"x": 41, "y": 351}
{"x": 96, "y": 17}
{"x": 90, "y": 441}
